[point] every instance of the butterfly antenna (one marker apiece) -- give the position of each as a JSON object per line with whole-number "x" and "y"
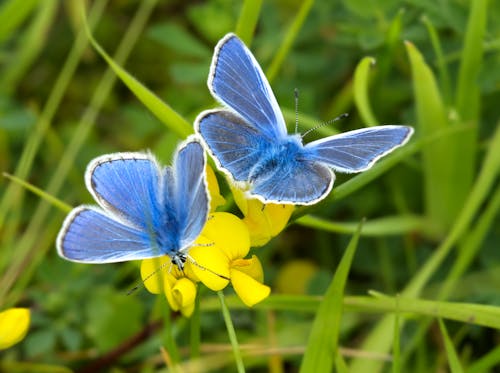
{"x": 341, "y": 116}
{"x": 141, "y": 283}
{"x": 296, "y": 93}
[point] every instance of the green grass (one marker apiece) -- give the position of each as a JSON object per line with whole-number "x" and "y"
{"x": 421, "y": 294}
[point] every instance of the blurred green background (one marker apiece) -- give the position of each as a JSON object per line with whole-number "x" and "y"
{"x": 434, "y": 211}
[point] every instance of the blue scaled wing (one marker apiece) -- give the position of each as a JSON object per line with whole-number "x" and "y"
{"x": 191, "y": 197}
{"x": 294, "y": 182}
{"x": 235, "y": 145}
{"x": 89, "y": 235}
{"x": 237, "y": 81}
{"x": 358, "y": 150}
{"x": 129, "y": 185}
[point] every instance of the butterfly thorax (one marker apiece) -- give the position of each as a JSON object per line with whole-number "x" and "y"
{"x": 276, "y": 156}
{"x": 164, "y": 236}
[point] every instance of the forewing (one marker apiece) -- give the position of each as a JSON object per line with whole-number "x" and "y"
{"x": 237, "y": 81}
{"x": 191, "y": 191}
{"x": 358, "y": 150}
{"x": 129, "y": 186}
{"x": 89, "y": 235}
{"x": 298, "y": 183}
{"x": 234, "y": 144}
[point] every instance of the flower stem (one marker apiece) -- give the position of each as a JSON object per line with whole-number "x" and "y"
{"x": 231, "y": 332}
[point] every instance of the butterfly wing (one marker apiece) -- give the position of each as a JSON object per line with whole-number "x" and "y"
{"x": 358, "y": 150}
{"x": 233, "y": 143}
{"x": 237, "y": 81}
{"x": 191, "y": 192}
{"x": 89, "y": 235}
{"x": 297, "y": 182}
{"x": 128, "y": 185}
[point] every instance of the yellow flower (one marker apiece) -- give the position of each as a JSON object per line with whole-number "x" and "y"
{"x": 264, "y": 221}
{"x": 14, "y": 324}
{"x": 216, "y": 259}
{"x": 295, "y": 276}
{"x": 160, "y": 274}
{"x": 219, "y": 259}
{"x": 216, "y": 199}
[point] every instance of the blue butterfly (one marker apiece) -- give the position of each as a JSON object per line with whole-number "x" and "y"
{"x": 144, "y": 211}
{"x": 250, "y": 143}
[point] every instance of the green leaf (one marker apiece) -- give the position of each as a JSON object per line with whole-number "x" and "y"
{"x": 108, "y": 325}
{"x": 472, "y": 313}
{"x": 40, "y": 343}
{"x": 442, "y": 199}
{"x": 467, "y": 100}
{"x": 468, "y": 95}
{"x": 247, "y": 21}
{"x": 41, "y": 193}
{"x": 396, "y": 349}
{"x": 361, "y": 85}
{"x": 160, "y": 109}
{"x": 12, "y": 14}
{"x": 454, "y": 362}
{"x": 31, "y": 43}
{"x": 340, "y": 365}
{"x": 323, "y": 340}
{"x": 444, "y": 76}
{"x": 288, "y": 40}
{"x": 486, "y": 363}
{"x": 390, "y": 225}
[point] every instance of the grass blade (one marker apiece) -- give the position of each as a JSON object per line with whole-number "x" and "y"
{"x": 390, "y": 225}
{"x": 12, "y": 14}
{"x": 247, "y": 20}
{"x": 41, "y": 193}
{"x": 168, "y": 116}
{"x": 361, "y": 85}
{"x": 453, "y": 361}
{"x": 323, "y": 340}
{"x": 231, "y": 333}
{"x": 467, "y": 100}
{"x": 441, "y": 200}
{"x": 290, "y": 36}
{"x": 380, "y": 338}
{"x": 31, "y": 44}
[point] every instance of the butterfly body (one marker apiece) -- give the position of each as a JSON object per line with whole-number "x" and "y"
{"x": 248, "y": 138}
{"x": 276, "y": 156}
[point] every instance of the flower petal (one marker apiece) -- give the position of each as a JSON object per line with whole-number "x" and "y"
{"x": 184, "y": 292}
{"x": 180, "y": 293}
{"x": 188, "y": 310}
{"x": 251, "y": 267}
{"x": 153, "y": 273}
{"x": 278, "y": 216}
{"x": 211, "y": 265}
{"x": 227, "y": 233}
{"x": 216, "y": 199}
{"x": 14, "y": 324}
{"x": 248, "y": 289}
{"x": 265, "y": 221}
{"x": 239, "y": 198}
